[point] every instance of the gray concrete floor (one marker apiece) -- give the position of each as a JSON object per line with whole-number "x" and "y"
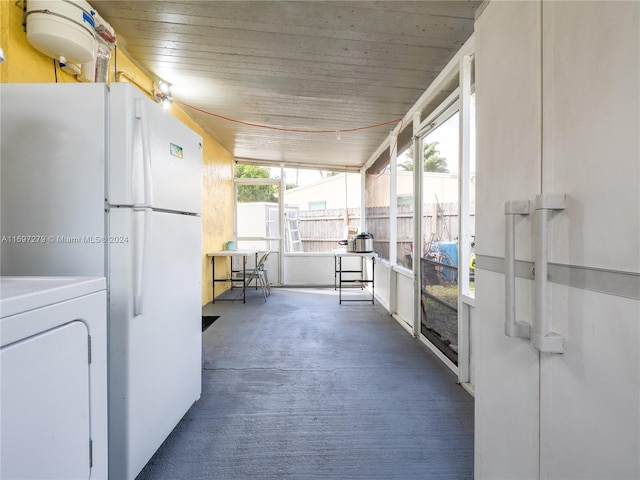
{"x": 303, "y": 388}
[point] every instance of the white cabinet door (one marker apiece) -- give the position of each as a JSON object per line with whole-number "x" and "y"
{"x": 590, "y": 394}
{"x": 45, "y": 405}
{"x": 508, "y": 168}
{"x": 558, "y": 105}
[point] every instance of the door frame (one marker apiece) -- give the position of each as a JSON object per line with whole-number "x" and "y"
{"x": 280, "y": 238}
{"x": 459, "y": 101}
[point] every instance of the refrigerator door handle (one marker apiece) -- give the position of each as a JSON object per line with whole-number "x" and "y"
{"x": 542, "y": 338}
{"x": 512, "y": 328}
{"x": 146, "y": 153}
{"x": 142, "y": 258}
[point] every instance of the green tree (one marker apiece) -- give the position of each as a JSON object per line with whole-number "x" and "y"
{"x": 255, "y": 193}
{"x": 433, "y": 161}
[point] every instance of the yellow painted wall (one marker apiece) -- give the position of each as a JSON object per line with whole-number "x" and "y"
{"x": 24, "y": 64}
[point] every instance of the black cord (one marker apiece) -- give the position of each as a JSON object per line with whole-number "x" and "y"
{"x": 55, "y": 70}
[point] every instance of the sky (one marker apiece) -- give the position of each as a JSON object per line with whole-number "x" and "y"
{"x": 447, "y": 137}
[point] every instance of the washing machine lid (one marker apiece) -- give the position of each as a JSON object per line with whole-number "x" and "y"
{"x": 22, "y": 294}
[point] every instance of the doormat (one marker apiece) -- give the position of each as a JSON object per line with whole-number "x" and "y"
{"x": 208, "y": 321}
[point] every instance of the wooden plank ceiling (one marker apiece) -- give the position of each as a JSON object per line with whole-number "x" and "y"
{"x": 294, "y": 65}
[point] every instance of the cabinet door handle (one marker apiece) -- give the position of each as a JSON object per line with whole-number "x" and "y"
{"x": 512, "y": 328}
{"x": 542, "y": 337}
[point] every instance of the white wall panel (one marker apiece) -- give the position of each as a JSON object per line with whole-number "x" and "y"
{"x": 405, "y": 296}
{"x": 309, "y": 269}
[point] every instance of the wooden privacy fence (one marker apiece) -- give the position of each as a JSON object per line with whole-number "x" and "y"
{"x": 321, "y": 230}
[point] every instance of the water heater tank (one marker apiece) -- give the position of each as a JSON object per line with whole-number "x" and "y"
{"x": 62, "y": 28}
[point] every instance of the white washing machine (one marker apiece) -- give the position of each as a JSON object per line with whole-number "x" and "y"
{"x": 53, "y": 361}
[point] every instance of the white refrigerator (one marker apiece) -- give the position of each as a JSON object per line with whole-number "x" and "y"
{"x": 100, "y": 181}
{"x": 557, "y": 307}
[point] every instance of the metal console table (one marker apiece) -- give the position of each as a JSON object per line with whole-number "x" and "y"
{"x": 340, "y": 282}
{"x": 244, "y": 253}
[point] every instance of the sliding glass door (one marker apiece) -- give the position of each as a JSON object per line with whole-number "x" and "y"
{"x": 439, "y": 261}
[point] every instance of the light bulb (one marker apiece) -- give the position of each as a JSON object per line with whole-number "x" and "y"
{"x": 164, "y": 87}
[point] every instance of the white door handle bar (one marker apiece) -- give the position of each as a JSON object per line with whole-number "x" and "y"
{"x": 512, "y": 328}
{"x": 542, "y": 338}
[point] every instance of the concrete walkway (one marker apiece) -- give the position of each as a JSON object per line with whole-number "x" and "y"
{"x": 303, "y": 388}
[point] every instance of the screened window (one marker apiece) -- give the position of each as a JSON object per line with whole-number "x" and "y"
{"x": 328, "y": 203}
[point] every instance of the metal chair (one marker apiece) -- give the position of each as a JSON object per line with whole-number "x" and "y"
{"x": 259, "y": 274}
